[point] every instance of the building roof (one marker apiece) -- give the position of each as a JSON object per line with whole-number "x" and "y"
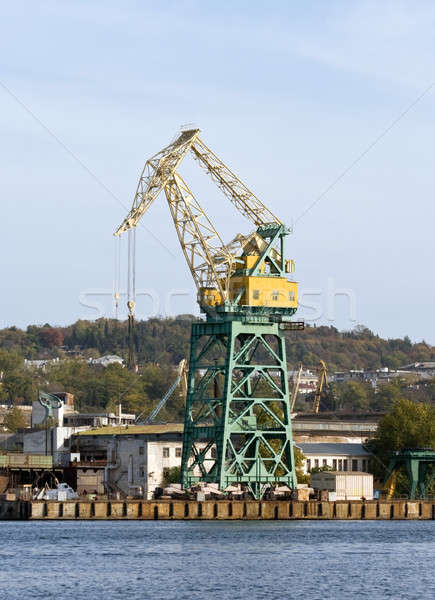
{"x": 136, "y": 430}
{"x": 331, "y": 449}
{"x": 321, "y": 474}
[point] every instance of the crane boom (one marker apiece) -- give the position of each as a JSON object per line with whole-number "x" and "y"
{"x": 203, "y": 248}
{"x": 160, "y": 167}
{"x": 321, "y": 383}
{"x": 156, "y": 172}
{"x": 296, "y": 388}
{"x": 240, "y": 195}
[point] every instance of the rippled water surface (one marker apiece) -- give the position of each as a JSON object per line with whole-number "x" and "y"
{"x": 225, "y": 560}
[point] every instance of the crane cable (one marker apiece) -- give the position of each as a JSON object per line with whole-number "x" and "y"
{"x": 131, "y": 297}
{"x": 117, "y": 275}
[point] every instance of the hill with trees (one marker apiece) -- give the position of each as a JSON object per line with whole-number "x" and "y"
{"x": 160, "y": 345}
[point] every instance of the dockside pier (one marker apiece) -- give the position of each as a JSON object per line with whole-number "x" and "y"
{"x": 219, "y": 510}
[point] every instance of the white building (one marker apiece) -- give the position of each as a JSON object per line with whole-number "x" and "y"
{"x": 339, "y": 457}
{"x": 105, "y": 361}
{"x": 137, "y": 457}
{"x": 53, "y": 437}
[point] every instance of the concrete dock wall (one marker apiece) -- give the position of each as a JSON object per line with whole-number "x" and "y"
{"x": 221, "y": 510}
{"x": 227, "y": 510}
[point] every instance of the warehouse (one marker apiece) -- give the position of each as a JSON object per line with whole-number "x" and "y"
{"x": 339, "y": 457}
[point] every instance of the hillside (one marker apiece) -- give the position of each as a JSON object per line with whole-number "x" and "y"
{"x": 162, "y": 343}
{"x": 166, "y": 341}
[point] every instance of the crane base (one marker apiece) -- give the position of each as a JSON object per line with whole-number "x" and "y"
{"x": 237, "y": 426}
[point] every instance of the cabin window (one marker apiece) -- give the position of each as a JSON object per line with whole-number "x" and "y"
{"x": 291, "y": 296}
{"x": 256, "y": 294}
{"x": 275, "y": 295}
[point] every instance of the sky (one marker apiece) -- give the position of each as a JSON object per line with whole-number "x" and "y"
{"x": 324, "y": 109}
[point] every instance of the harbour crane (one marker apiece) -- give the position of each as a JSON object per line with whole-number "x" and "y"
{"x": 181, "y": 379}
{"x": 237, "y": 425}
{"x": 295, "y": 389}
{"x": 322, "y": 383}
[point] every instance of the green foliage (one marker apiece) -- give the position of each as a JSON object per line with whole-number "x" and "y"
{"x": 299, "y": 461}
{"x": 321, "y": 469}
{"x": 171, "y": 475}
{"x": 17, "y": 383}
{"x": 14, "y": 419}
{"x": 162, "y": 343}
{"x": 353, "y": 396}
{"x": 407, "y": 425}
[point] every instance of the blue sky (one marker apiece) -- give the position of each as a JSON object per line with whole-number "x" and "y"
{"x": 289, "y": 94}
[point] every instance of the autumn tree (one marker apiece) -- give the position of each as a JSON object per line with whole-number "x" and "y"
{"x": 14, "y": 419}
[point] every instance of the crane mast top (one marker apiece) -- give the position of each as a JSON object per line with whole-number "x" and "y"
{"x": 246, "y": 276}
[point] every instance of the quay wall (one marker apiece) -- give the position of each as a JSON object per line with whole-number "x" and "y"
{"x": 219, "y": 510}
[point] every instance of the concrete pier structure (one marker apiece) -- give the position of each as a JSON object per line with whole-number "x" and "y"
{"x": 219, "y": 510}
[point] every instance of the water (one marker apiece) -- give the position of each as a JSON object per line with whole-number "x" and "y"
{"x": 225, "y": 560}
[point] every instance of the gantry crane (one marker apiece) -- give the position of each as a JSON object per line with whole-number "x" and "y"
{"x": 237, "y": 422}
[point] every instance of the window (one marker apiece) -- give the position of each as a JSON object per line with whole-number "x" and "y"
{"x": 334, "y": 464}
{"x": 365, "y": 465}
{"x": 142, "y": 471}
{"x": 325, "y": 462}
{"x": 340, "y": 464}
{"x": 316, "y": 462}
{"x": 256, "y": 294}
{"x": 345, "y": 464}
{"x": 141, "y": 450}
{"x": 213, "y": 453}
{"x": 291, "y": 296}
{"x": 354, "y": 464}
{"x": 308, "y": 464}
{"x": 165, "y": 452}
{"x": 275, "y": 295}
{"x": 178, "y": 452}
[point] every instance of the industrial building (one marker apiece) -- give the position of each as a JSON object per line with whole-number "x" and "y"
{"x": 136, "y": 458}
{"x": 339, "y": 457}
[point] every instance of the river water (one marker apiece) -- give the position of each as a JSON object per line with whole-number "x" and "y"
{"x": 223, "y": 560}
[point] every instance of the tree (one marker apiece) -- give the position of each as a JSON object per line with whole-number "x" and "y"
{"x": 14, "y": 419}
{"x": 51, "y": 337}
{"x": 407, "y": 425}
{"x": 171, "y": 475}
{"x": 353, "y": 395}
{"x": 299, "y": 462}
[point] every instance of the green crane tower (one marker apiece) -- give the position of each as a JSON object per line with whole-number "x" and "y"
{"x": 237, "y": 427}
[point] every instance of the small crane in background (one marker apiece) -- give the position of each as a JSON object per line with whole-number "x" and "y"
{"x": 180, "y": 380}
{"x": 295, "y": 389}
{"x": 322, "y": 384}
